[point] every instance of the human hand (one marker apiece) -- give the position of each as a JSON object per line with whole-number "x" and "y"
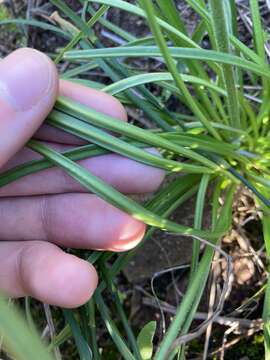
{"x": 49, "y": 208}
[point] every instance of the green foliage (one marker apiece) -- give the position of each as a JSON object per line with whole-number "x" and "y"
{"x": 145, "y": 340}
{"x": 19, "y": 340}
{"x": 216, "y": 136}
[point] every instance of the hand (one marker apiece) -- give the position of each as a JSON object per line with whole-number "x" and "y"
{"x": 46, "y": 209}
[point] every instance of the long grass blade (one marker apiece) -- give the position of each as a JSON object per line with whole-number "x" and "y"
{"x": 176, "y": 52}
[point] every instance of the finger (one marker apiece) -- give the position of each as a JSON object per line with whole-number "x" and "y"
{"x": 70, "y": 220}
{"x": 45, "y": 272}
{"x": 28, "y": 89}
{"x": 125, "y": 175}
{"x": 92, "y": 98}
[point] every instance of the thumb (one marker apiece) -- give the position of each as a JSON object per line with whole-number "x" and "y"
{"x": 28, "y": 89}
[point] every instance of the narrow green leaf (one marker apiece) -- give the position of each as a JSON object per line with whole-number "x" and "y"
{"x": 23, "y": 343}
{"x": 100, "y": 120}
{"x": 82, "y": 346}
{"x": 221, "y": 33}
{"x": 111, "y": 327}
{"x": 123, "y": 5}
{"x": 191, "y": 299}
{"x": 73, "y": 42}
{"x": 140, "y": 79}
{"x": 198, "y": 218}
{"x": 109, "y": 194}
{"x": 35, "y": 23}
{"x": 109, "y": 142}
{"x": 176, "y": 52}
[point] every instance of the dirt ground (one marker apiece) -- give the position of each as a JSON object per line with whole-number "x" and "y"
{"x": 236, "y": 334}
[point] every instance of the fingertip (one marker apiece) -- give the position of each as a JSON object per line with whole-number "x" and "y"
{"x": 28, "y": 78}
{"x": 96, "y": 99}
{"x": 128, "y": 232}
{"x": 131, "y": 235}
{"x": 80, "y": 282}
{"x": 28, "y": 90}
{"x": 55, "y": 277}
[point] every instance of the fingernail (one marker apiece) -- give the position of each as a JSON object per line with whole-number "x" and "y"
{"x": 26, "y": 76}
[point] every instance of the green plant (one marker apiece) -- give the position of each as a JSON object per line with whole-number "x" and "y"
{"x": 223, "y": 143}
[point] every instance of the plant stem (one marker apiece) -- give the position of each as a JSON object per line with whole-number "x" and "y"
{"x": 222, "y": 39}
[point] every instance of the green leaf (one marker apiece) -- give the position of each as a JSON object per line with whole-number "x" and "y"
{"x": 35, "y": 23}
{"x": 111, "y": 327}
{"x": 221, "y": 33}
{"x": 101, "y": 120}
{"x": 109, "y": 194}
{"x": 114, "y": 144}
{"x": 123, "y": 5}
{"x": 84, "y": 350}
{"x": 186, "y": 310}
{"x": 148, "y": 78}
{"x": 18, "y": 339}
{"x": 176, "y": 52}
{"x": 145, "y": 340}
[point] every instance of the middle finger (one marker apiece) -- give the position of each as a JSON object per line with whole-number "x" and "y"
{"x": 126, "y": 175}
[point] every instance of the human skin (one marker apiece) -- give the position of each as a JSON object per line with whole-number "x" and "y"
{"x": 43, "y": 211}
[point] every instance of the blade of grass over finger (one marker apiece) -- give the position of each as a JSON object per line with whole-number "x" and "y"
{"x": 112, "y": 196}
{"x": 34, "y": 166}
{"x": 88, "y": 151}
{"x": 109, "y": 123}
{"x": 103, "y": 139}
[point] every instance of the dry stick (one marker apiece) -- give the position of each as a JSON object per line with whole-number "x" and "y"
{"x": 178, "y": 293}
{"x": 243, "y": 324}
{"x": 224, "y": 341}
{"x": 227, "y": 346}
{"x": 51, "y": 328}
{"x": 225, "y": 292}
{"x": 254, "y": 253}
{"x": 157, "y": 274}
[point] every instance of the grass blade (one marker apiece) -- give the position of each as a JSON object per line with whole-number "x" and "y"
{"x": 176, "y": 52}
{"x": 222, "y": 39}
{"x": 82, "y": 346}
{"x": 23, "y": 343}
{"x": 115, "y": 198}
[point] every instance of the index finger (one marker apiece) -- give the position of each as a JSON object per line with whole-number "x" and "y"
{"x": 92, "y": 98}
